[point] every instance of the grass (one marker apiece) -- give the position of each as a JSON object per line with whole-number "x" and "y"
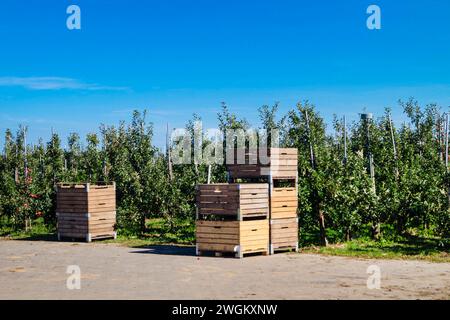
{"x": 39, "y": 231}
{"x": 410, "y": 248}
{"x": 182, "y": 232}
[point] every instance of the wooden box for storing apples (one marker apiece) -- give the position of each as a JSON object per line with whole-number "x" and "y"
{"x": 283, "y": 202}
{"x": 283, "y": 234}
{"x": 86, "y": 211}
{"x": 238, "y": 237}
{"x": 233, "y": 218}
{"x": 239, "y": 200}
{"x": 256, "y": 163}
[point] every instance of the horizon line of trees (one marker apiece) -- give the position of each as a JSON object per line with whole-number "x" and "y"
{"x": 368, "y": 177}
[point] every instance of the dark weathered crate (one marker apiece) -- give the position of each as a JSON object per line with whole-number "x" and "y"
{"x": 242, "y": 200}
{"x": 275, "y": 162}
{"x": 237, "y": 237}
{"x": 86, "y": 211}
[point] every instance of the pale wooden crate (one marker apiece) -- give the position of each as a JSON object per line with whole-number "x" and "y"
{"x": 237, "y": 237}
{"x": 283, "y": 203}
{"x": 242, "y": 200}
{"x": 283, "y": 234}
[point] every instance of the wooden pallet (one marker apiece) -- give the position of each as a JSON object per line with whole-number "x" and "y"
{"x": 239, "y": 255}
{"x": 237, "y": 237}
{"x": 252, "y": 163}
{"x": 85, "y": 237}
{"x": 238, "y": 201}
{"x": 283, "y": 234}
{"x": 86, "y": 211}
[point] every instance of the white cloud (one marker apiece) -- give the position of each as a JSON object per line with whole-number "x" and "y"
{"x": 54, "y": 83}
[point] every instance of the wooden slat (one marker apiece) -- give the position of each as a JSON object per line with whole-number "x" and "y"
{"x": 91, "y": 210}
{"x": 228, "y": 224}
{"x": 81, "y": 197}
{"x": 250, "y": 206}
{"x": 282, "y": 245}
{"x": 101, "y": 192}
{"x": 219, "y": 187}
{"x": 254, "y": 211}
{"x": 283, "y": 215}
{"x": 201, "y": 236}
{"x": 283, "y": 162}
{"x": 206, "y": 230}
{"x": 101, "y": 235}
{"x": 225, "y": 206}
{"x": 101, "y": 229}
{"x": 215, "y": 247}
{"x": 257, "y": 186}
{"x": 285, "y": 204}
{"x": 252, "y": 200}
{"x": 217, "y": 240}
{"x": 276, "y": 199}
{"x": 252, "y": 196}
{"x": 275, "y": 151}
{"x": 283, "y": 209}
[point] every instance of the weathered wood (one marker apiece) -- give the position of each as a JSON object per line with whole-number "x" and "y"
{"x": 283, "y": 234}
{"x": 237, "y": 199}
{"x": 86, "y": 211}
{"x": 275, "y": 162}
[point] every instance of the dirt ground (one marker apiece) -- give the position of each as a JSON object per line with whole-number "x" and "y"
{"x": 37, "y": 270}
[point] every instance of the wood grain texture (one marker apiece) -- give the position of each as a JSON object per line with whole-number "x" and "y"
{"x": 239, "y": 199}
{"x": 86, "y": 211}
{"x": 233, "y": 236}
{"x": 253, "y": 163}
{"x": 284, "y": 233}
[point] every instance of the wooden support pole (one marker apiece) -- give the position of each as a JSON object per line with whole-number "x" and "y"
{"x": 391, "y": 127}
{"x": 169, "y": 158}
{"x": 345, "y": 140}
{"x": 209, "y": 174}
{"x": 446, "y": 139}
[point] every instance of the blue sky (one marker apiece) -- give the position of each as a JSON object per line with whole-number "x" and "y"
{"x": 175, "y": 58}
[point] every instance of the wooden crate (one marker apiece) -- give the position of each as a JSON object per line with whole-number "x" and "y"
{"x": 280, "y": 163}
{"x": 237, "y": 237}
{"x": 283, "y": 203}
{"x": 86, "y": 211}
{"x": 241, "y": 200}
{"x": 283, "y": 234}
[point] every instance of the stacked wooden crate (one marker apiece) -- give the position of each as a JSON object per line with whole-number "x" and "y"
{"x": 233, "y": 218}
{"x": 283, "y": 215}
{"x": 86, "y": 211}
{"x": 272, "y": 162}
{"x": 279, "y": 167}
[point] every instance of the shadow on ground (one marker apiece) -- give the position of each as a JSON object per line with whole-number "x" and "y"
{"x": 173, "y": 250}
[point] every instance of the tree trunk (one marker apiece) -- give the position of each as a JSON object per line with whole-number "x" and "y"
{"x": 323, "y": 235}
{"x": 142, "y": 223}
{"x": 321, "y": 218}
{"x": 376, "y": 230}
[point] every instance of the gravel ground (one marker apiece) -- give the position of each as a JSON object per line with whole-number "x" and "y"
{"x": 37, "y": 270}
